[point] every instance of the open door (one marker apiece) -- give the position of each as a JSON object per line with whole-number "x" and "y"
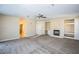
{"x": 22, "y": 27}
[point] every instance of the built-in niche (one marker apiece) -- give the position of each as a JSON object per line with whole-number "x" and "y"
{"x": 69, "y": 28}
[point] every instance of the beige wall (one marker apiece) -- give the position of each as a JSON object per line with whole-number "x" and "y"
{"x": 30, "y": 27}
{"x": 9, "y": 27}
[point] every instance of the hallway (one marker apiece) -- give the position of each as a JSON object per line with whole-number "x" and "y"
{"x": 40, "y": 45}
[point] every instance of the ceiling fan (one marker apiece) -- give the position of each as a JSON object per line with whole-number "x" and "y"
{"x": 41, "y": 16}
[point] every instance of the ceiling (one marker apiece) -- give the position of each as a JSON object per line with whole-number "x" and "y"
{"x": 32, "y": 10}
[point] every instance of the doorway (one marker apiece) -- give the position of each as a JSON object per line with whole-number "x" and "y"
{"x": 22, "y": 27}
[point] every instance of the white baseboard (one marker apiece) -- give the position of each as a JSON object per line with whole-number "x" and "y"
{"x": 8, "y": 39}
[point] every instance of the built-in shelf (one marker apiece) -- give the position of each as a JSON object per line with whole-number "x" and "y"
{"x": 69, "y": 33}
{"x": 69, "y": 37}
{"x": 69, "y": 28}
{"x": 70, "y": 23}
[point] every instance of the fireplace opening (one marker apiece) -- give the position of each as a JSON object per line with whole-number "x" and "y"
{"x": 56, "y": 32}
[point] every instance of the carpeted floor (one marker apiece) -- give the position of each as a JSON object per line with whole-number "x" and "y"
{"x": 40, "y": 45}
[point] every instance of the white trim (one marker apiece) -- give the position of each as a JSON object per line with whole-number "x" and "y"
{"x": 8, "y": 39}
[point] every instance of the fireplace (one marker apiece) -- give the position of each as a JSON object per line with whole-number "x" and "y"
{"x": 56, "y": 32}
